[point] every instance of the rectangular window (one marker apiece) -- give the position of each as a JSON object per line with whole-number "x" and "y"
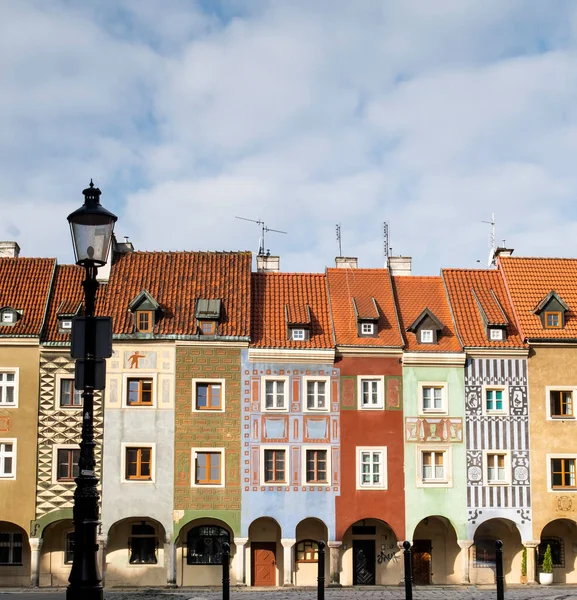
{"x": 433, "y": 466}
{"x": 139, "y": 392}
{"x": 10, "y": 548}
{"x": 494, "y": 400}
{"x": 144, "y": 321}
{"x": 67, "y": 464}
{"x": 298, "y": 334}
{"x": 7, "y": 317}
{"x": 552, "y": 320}
{"x": 496, "y": 470}
{"x": 142, "y": 544}
{"x": 274, "y": 466}
{"x": 274, "y": 394}
{"x": 426, "y": 336}
{"x": 371, "y": 468}
{"x": 69, "y": 551}
{"x": 69, "y": 397}
{"x": 316, "y": 395}
{"x": 138, "y": 464}
{"x": 7, "y": 389}
{"x": 432, "y": 398}
{"x": 316, "y": 466}
{"x": 562, "y": 473}
{"x": 561, "y": 403}
{"x": 66, "y": 324}
{"x": 208, "y": 468}
{"x": 7, "y": 458}
{"x": 208, "y": 396}
{"x": 207, "y": 327}
{"x": 371, "y": 394}
{"x": 367, "y": 328}
{"x": 496, "y": 334}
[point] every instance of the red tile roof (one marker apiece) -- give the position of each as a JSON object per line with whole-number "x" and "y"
{"x": 362, "y": 285}
{"x": 272, "y": 292}
{"x": 414, "y": 295}
{"x": 25, "y": 286}
{"x": 464, "y": 287}
{"x": 176, "y": 280}
{"x": 530, "y": 280}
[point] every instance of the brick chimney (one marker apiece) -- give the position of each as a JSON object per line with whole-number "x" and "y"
{"x": 400, "y": 265}
{"x": 346, "y": 262}
{"x": 267, "y": 264}
{"x": 9, "y": 250}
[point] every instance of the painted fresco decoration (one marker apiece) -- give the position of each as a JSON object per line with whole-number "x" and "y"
{"x": 427, "y": 429}
{"x": 138, "y": 359}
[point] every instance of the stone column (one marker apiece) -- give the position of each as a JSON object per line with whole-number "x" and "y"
{"x": 465, "y": 545}
{"x": 287, "y": 561}
{"x": 170, "y": 558}
{"x": 531, "y": 546}
{"x": 101, "y": 555}
{"x": 239, "y": 562}
{"x": 35, "y": 546}
{"x": 335, "y": 562}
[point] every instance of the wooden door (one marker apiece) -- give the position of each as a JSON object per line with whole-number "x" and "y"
{"x": 263, "y": 564}
{"x": 422, "y": 562}
{"x": 364, "y": 565}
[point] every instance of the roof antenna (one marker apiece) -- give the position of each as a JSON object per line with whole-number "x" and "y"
{"x": 339, "y": 240}
{"x": 386, "y": 249}
{"x": 492, "y": 245}
{"x": 264, "y": 229}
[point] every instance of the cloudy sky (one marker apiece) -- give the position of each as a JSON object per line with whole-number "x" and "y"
{"x": 430, "y": 115}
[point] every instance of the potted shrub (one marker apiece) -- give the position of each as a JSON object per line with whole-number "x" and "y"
{"x": 546, "y": 574}
{"x": 524, "y": 566}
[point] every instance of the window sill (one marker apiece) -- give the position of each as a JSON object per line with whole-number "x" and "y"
{"x": 378, "y": 407}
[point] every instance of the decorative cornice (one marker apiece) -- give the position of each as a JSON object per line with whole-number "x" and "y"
{"x": 368, "y": 350}
{"x": 207, "y": 343}
{"x": 442, "y": 359}
{"x": 315, "y": 355}
{"x": 19, "y": 341}
{"x": 497, "y": 352}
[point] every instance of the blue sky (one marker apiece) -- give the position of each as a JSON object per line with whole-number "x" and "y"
{"x": 309, "y": 113}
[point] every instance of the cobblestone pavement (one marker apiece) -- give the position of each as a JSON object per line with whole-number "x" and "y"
{"x": 388, "y": 593}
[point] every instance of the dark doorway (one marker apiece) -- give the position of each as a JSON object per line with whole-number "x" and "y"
{"x": 364, "y": 565}
{"x": 263, "y": 564}
{"x": 422, "y": 562}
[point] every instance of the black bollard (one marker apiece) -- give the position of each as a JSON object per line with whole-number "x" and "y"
{"x": 408, "y": 570}
{"x": 321, "y": 575}
{"x": 225, "y": 571}
{"x": 500, "y": 578}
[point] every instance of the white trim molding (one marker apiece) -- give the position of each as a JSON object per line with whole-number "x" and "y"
{"x": 311, "y": 378}
{"x": 380, "y": 379}
{"x": 560, "y": 490}
{"x": 222, "y": 382}
{"x": 286, "y": 393}
{"x": 497, "y": 352}
{"x": 286, "y": 450}
{"x": 364, "y": 350}
{"x": 495, "y": 413}
{"x": 304, "y": 450}
{"x": 124, "y": 446}
{"x": 14, "y": 455}
{"x": 382, "y": 450}
{"x": 16, "y": 372}
{"x": 560, "y": 388}
{"x": 442, "y": 359}
{"x": 507, "y": 455}
{"x": 139, "y": 375}
{"x": 312, "y": 356}
{"x": 193, "y": 453}
{"x": 444, "y": 387}
{"x": 55, "y": 449}
{"x": 447, "y": 481}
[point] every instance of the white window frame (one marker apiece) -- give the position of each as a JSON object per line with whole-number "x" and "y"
{"x": 66, "y": 324}
{"x": 298, "y": 334}
{"x": 506, "y": 454}
{"x": 137, "y": 374}
{"x": 304, "y": 450}
{"x": 382, "y": 450}
{"x": 16, "y": 382}
{"x": 152, "y": 446}
{"x": 193, "y": 454}
{"x": 560, "y": 388}
{"x": 447, "y": 481}
{"x": 550, "y": 489}
{"x": 493, "y": 330}
{"x": 430, "y": 335}
{"x": 286, "y": 465}
{"x": 444, "y": 387}
{"x": 58, "y": 377}
{"x": 13, "y": 454}
{"x": 380, "y": 392}
{"x": 287, "y": 397}
{"x": 222, "y": 383}
{"x": 8, "y": 314}
{"x": 502, "y": 388}
{"x": 370, "y": 328}
{"x": 55, "y": 449}
{"x": 310, "y": 379}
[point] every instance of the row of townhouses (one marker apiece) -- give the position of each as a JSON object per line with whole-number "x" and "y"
{"x": 271, "y": 410}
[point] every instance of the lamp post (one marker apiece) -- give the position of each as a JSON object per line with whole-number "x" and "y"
{"x": 91, "y": 227}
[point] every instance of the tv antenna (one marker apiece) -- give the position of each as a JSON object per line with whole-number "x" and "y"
{"x": 339, "y": 240}
{"x": 492, "y": 246}
{"x": 264, "y": 229}
{"x": 387, "y": 251}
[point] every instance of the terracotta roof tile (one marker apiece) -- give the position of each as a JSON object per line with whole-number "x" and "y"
{"x": 272, "y": 292}
{"x": 462, "y": 285}
{"x": 176, "y": 280}
{"x": 414, "y": 295}
{"x": 530, "y": 280}
{"x": 489, "y": 306}
{"x": 25, "y": 286}
{"x": 363, "y": 284}
{"x": 365, "y": 308}
{"x": 298, "y": 314}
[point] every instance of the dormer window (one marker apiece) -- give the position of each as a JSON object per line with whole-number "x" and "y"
{"x": 553, "y": 320}
{"x": 144, "y": 321}
{"x": 66, "y": 324}
{"x": 426, "y": 327}
{"x": 367, "y": 328}
{"x": 552, "y": 311}
{"x": 208, "y": 315}
{"x": 208, "y": 327}
{"x": 367, "y": 314}
{"x": 146, "y": 311}
{"x": 299, "y": 322}
{"x": 8, "y": 316}
{"x": 427, "y": 336}
{"x": 298, "y": 334}
{"x": 496, "y": 335}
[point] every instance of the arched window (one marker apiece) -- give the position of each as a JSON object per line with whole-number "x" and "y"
{"x": 557, "y": 551}
{"x": 205, "y": 545}
{"x": 307, "y": 551}
{"x": 143, "y": 544}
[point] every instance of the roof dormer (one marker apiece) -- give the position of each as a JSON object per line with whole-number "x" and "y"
{"x": 208, "y": 315}
{"x": 367, "y": 316}
{"x": 426, "y": 327}
{"x": 146, "y": 311}
{"x": 552, "y": 310}
{"x": 298, "y": 322}
{"x": 65, "y": 315}
{"x": 9, "y": 315}
{"x": 492, "y": 314}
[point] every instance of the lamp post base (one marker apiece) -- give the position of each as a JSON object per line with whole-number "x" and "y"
{"x": 84, "y": 593}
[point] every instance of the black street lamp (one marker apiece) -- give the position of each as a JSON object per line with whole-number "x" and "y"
{"x": 91, "y": 227}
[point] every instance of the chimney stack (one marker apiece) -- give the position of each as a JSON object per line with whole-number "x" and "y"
{"x": 400, "y": 265}
{"x": 116, "y": 248}
{"x": 346, "y": 262}
{"x": 9, "y": 250}
{"x": 267, "y": 264}
{"x": 503, "y": 251}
